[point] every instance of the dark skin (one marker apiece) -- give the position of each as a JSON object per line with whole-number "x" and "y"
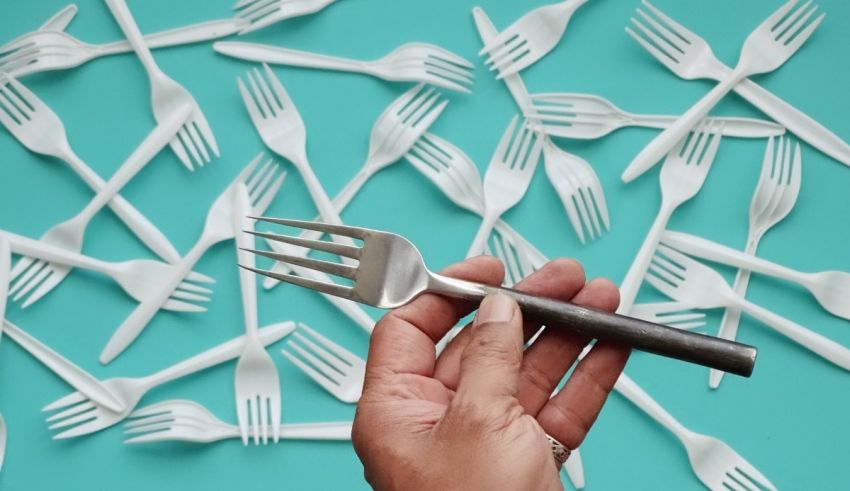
{"x": 476, "y": 416}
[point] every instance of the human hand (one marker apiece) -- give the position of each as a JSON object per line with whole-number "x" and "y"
{"x": 476, "y": 417}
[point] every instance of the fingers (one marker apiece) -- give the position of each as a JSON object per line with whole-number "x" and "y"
{"x": 553, "y": 353}
{"x": 559, "y": 279}
{"x": 568, "y": 416}
{"x": 489, "y": 365}
{"x": 403, "y": 340}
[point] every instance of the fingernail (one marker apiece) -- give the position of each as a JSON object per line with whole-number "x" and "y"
{"x": 497, "y": 308}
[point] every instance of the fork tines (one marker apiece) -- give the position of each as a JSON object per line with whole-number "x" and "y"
{"x": 337, "y": 269}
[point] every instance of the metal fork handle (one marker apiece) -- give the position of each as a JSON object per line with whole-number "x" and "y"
{"x": 194, "y": 33}
{"x": 661, "y": 340}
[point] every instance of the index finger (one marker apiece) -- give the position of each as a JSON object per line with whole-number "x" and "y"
{"x": 403, "y": 341}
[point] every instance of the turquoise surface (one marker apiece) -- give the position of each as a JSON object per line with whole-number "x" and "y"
{"x": 789, "y": 419}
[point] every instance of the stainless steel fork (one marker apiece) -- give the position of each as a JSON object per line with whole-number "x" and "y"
{"x": 391, "y": 273}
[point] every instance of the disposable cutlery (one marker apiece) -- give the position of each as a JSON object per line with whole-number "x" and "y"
{"x": 687, "y": 280}
{"x": 140, "y": 278}
{"x": 262, "y": 184}
{"x": 40, "y": 130}
{"x": 586, "y": 116}
{"x": 188, "y": 421}
{"x": 395, "y": 132}
{"x": 507, "y": 177}
{"x": 682, "y": 176}
{"x": 714, "y": 462}
{"x": 391, "y": 273}
{"x": 775, "y": 195}
{"x": 257, "y": 384}
{"x": 693, "y": 59}
{"x": 69, "y": 235}
{"x": 830, "y": 288}
{"x": 769, "y": 46}
{"x": 166, "y": 94}
{"x": 327, "y": 363}
{"x": 261, "y": 13}
{"x": 573, "y": 178}
{"x": 76, "y": 415}
{"x": 455, "y": 174}
{"x": 51, "y": 49}
{"x": 412, "y": 62}
{"x": 76, "y": 377}
{"x": 60, "y": 20}
{"x": 530, "y": 38}
{"x": 282, "y": 130}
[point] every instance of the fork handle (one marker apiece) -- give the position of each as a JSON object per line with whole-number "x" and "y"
{"x": 629, "y": 389}
{"x": 128, "y": 25}
{"x": 194, "y": 33}
{"x": 687, "y": 346}
{"x": 285, "y": 56}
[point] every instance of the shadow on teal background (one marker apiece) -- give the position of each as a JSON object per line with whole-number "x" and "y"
{"x": 789, "y": 420}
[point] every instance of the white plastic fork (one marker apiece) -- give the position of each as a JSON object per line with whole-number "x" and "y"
{"x": 508, "y": 177}
{"x": 769, "y": 46}
{"x": 257, "y": 383}
{"x": 263, "y": 185}
{"x": 327, "y": 363}
{"x": 397, "y": 129}
{"x": 530, "y": 38}
{"x": 776, "y": 193}
{"x": 188, "y": 421}
{"x": 411, "y": 62}
{"x": 43, "y": 276}
{"x": 262, "y": 13}
{"x": 687, "y": 280}
{"x": 140, "y": 278}
{"x": 694, "y": 59}
{"x": 280, "y": 126}
{"x": 673, "y": 314}
{"x": 195, "y": 135}
{"x": 76, "y": 415}
{"x": 566, "y": 168}
{"x": 40, "y": 130}
{"x": 682, "y": 177}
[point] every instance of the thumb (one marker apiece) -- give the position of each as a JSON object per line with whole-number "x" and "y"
{"x": 490, "y": 362}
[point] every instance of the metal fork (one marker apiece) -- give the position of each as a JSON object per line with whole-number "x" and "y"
{"x": 411, "y": 62}
{"x": 188, "y": 421}
{"x": 770, "y": 45}
{"x": 76, "y": 415}
{"x": 693, "y": 59}
{"x": 687, "y": 280}
{"x": 330, "y": 365}
{"x": 396, "y": 130}
{"x": 263, "y": 184}
{"x": 682, "y": 176}
{"x": 262, "y": 13}
{"x": 508, "y": 177}
{"x": 40, "y": 130}
{"x": 257, "y": 383}
{"x": 391, "y": 273}
{"x": 139, "y": 278}
{"x": 70, "y": 234}
{"x": 776, "y": 193}
{"x": 195, "y": 135}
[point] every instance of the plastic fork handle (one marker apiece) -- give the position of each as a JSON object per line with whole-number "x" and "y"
{"x": 663, "y": 143}
{"x": 706, "y": 249}
{"x": 796, "y": 121}
{"x": 64, "y": 369}
{"x": 60, "y": 20}
{"x": 126, "y": 212}
{"x": 574, "y": 466}
{"x": 814, "y": 342}
{"x": 195, "y": 33}
{"x": 128, "y": 25}
{"x": 734, "y": 127}
{"x": 217, "y": 355}
{"x": 317, "y": 431}
{"x": 629, "y": 389}
{"x": 244, "y": 243}
{"x": 661, "y": 340}
{"x": 26, "y": 246}
{"x": 284, "y": 56}
{"x": 484, "y": 230}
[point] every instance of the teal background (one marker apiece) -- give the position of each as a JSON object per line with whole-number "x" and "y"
{"x": 789, "y": 419}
